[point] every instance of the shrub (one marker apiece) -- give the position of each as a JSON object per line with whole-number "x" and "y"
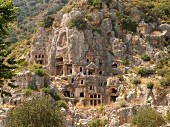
{"x": 77, "y": 21}
{"x": 126, "y": 22}
{"x": 145, "y": 71}
{"x": 147, "y": 118}
{"x": 89, "y": 17}
{"x": 165, "y": 81}
{"x": 28, "y": 91}
{"x": 38, "y": 112}
{"x": 145, "y": 57}
{"x": 125, "y": 62}
{"x": 168, "y": 115}
{"x": 46, "y": 90}
{"x": 120, "y": 77}
{"x": 48, "y": 21}
{"x": 62, "y": 103}
{"x": 54, "y": 95}
{"x": 37, "y": 69}
{"x": 163, "y": 72}
{"x": 94, "y": 3}
{"x": 97, "y": 123}
{"x": 150, "y": 85}
{"x": 136, "y": 81}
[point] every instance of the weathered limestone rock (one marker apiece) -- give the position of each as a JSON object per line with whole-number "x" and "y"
{"x": 125, "y": 114}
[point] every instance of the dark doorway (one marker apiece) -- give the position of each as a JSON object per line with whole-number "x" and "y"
{"x": 67, "y": 93}
{"x": 59, "y": 59}
{"x": 113, "y": 98}
{"x": 72, "y": 80}
{"x": 91, "y": 102}
{"x": 82, "y": 94}
{"x": 100, "y": 72}
{"x": 95, "y": 102}
{"x": 90, "y": 73}
{"x": 81, "y": 69}
{"x": 81, "y": 81}
{"x": 114, "y": 90}
{"x": 114, "y": 65}
{"x": 41, "y": 62}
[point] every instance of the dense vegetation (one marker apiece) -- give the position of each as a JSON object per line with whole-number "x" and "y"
{"x": 38, "y": 112}
{"x": 7, "y": 66}
{"x": 30, "y": 13}
{"x": 147, "y": 118}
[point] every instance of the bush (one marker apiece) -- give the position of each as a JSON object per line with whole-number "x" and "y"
{"x": 150, "y": 85}
{"x": 62, "y": 103}
{"x": 77, "y": 21}
{"x": 168, "y": 115}
{"x": 163, "y": 72}
{"x": 46, "y": 90}
{"x": 145, "y": 57}
{"x": 147, "y": 118}
{"x": 136, "y": 81}
{"x": 125, "y": 62}
{"x": 165, "y": 81}
{"x": 48, "y": 21}
{"x": 145, "y": 71}
{"x": 28, "y": 91}
{"x": 54, "y": 95}
{"x": 89, "y": 17}
{"x": 38, "y": 112}
{"x": 37, "y": 69}
{"x": 120, "y": 77}
{"x": 97, "y": 123}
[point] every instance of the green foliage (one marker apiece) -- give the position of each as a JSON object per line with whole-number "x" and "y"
{"x": 125, "y": 62}
{"x": 120, "y": 77}
{"x": 62, "y": 103}
{"x": 7, "y": 66}
{"x": 136, "y": 81}
{"x": 38, "y": 112}
{"x": 54, "y": 95}
{"x": 165, "y": 81}
{"x": 67, "y": 9}
{"x": 145, "y": 57}
{"x": 46, "y": 90}
{"x": 77, "y": 21}
{"x": 94, "y": 3}
{"x": 126, "y": 22}
{"x": 147, "y": 118}
{"x": 150, "y": 85}
{"x": 7, "y": 15}
{"x": 145, "y": 71}
{"x": 97, "y": 123}
{"x": 28, "y": 91}
{"x": 48, "y": 21}
{"x": 37, "y": 69}
{"x": 163, "y": 72}
{"x": 89, "y": 17}
{"x": 168, "y": 115}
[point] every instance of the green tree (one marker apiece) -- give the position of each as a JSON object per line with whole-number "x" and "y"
{"x": 38, "y": 112}
{"x": 77, "y": 21}
{"x": 147, "y": 118}
{"x": 7, "y": 66}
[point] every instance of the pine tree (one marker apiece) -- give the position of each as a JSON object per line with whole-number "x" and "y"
{"x": 7, "y": 66}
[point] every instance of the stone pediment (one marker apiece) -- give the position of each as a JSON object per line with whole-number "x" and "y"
{"x": 91, "y": 66}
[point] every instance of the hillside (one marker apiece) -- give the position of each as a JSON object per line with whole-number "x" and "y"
{"x": 107, "y": 59}
{"x": 30, "y": 15}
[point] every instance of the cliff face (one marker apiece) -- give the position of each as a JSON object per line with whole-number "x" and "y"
{"x": 93, "y": 55}
{"x": 104, "y": 47}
